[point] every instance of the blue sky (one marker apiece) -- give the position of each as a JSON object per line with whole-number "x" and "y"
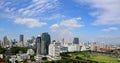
{"x": 90, "y": 20}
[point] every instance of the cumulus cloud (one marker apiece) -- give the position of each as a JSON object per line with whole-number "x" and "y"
{"x": 71, "y": 23}
{"x": 65, "y": 27}
{"x": 30, "y": 22}
{"x": 110, "y": 29}
{"x": 54, "y": 26}
{"x": 107, "y": 12}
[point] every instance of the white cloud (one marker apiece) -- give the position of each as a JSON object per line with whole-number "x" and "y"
{"x": 65, "y": 27}
{"x": 107, "y": 11}
{"x": 9, "y": 9}
{"x": 110, "y": 29}
{"x": 32, "y": 8}
{"x": 71, "y": 23}
{"x": 38, "y": 6}
{"x": 30, "y": 22}
{"x": 61, "y": 33}
{"x": 4, "y": 4}
{"x": 54, "y": 26}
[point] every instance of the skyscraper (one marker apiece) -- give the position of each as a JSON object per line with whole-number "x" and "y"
{"x": 45, "y": 41}
{"x": 22, "y": 40}
{"x": 76, "y": 40}
{"x": 42, "y": 43}
{"x": 5, "y": 41}
{"x": 38, "y": 45}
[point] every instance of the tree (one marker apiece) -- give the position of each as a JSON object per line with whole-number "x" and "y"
{"x": 77, "y": 57}
{"x": 2, "y": 50}
{"x": 15, "y": 50}
{"x": 44, "y": 58}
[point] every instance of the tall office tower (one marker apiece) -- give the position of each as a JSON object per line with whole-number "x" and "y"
{"x": 45, "y": 41}
{"x": 38, "y": 45}
{"x": 6, "y": 41}
{"x": 76, "y": 40}
{"x": 22, "y": 40}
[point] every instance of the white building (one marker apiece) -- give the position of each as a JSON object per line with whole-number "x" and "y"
{"x": 71, "y": 48}
{"x": 54, "y": 51}
{"x": 30, "y": 52}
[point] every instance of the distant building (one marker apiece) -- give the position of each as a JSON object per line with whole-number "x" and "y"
{"x": 64, "y": 42}
{"x": 31, "y": 42}
{"x": 22, "y": 40}
{"x": 76, "y": 40}
{"x": 6, "y": 41}
{"x": 13, "y": 43}
{"x": 102, "y": 45}
{"x": 64, "y": 49}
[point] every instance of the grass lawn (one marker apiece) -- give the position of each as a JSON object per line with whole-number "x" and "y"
{"x": 99, "y": 58}
{"x": 106, "y": 59}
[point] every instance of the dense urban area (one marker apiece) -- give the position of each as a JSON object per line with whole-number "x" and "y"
{"x": 42, "y": 49}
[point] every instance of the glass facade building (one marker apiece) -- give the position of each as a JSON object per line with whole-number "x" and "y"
{"x": 43, "y": 43}
{"x": 76, "y": 40}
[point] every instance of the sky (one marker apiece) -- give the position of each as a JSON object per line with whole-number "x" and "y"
{"x": 90, "y": 20}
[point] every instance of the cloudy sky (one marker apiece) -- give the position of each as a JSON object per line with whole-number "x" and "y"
{"x": 90, "y": 20}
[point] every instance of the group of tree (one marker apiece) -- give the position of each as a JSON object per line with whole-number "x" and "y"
{"x": 14, "y": 50}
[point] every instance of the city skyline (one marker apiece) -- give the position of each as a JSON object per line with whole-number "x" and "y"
{"x": 95, "y": 20}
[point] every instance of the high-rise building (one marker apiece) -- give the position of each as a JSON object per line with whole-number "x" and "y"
{"x": 22, "y": 40}
{"x": 45, "y": 41}
{"x": 6, "y": 41}
{"x": 38, "y": 45}
{"x": 76, "y": 40}
{"x": 42, "y": 44}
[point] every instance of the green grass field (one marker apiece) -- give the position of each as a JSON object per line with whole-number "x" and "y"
{"x": 97, "y": 57}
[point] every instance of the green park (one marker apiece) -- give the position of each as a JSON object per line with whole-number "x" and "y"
{"x": 91, "y": 57}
